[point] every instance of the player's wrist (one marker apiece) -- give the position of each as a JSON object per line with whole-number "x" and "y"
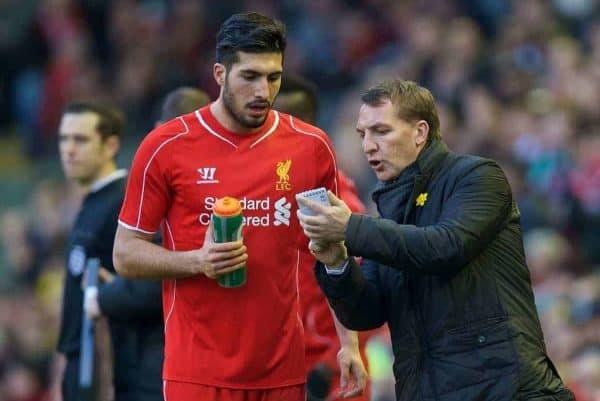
{"x": 196, "y": 262}
{"x": 349, "y": 347}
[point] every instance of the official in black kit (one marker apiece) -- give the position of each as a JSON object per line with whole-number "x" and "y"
{"x": 89, "y": 138}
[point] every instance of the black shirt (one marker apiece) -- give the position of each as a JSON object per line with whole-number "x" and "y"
{"x": 92, "y": 236}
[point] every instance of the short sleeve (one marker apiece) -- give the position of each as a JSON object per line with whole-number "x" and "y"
{"x": 147, "y": 197}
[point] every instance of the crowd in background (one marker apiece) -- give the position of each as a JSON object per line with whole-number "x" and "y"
{"x": 518, "y": 81}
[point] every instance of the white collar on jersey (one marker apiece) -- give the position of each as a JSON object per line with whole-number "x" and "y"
{"x": 101, "y": 183}
{"x": 213, "y": 131}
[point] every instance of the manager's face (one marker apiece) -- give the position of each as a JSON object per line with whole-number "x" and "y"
{"x": 389, "y": 142}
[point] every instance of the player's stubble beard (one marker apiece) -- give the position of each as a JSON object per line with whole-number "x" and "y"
{"x": 238, "y": 116}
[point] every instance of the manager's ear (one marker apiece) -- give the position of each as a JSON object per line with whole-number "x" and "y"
{"x": 421, "y": 133}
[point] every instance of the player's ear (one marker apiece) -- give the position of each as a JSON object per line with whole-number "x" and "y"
{"x": 219, "y": 73}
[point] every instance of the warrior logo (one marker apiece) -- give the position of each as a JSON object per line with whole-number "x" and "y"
{"x": 282, "y": 170}
{"x": 207, "y": 175}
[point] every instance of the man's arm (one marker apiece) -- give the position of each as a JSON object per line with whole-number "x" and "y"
{"x": 471, "y": 218}
{"x": 354, "y": 295}
{"x": 131, "y": 300}
{"x": 353, "y": 375}
{"x": 352, "y": 291}
{"x": 136, "y": 256}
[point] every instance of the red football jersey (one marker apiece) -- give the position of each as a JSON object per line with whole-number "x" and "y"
{"x": 252, "y": 336}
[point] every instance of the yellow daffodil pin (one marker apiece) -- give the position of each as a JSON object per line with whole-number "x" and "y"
{"x": 421, "y": 199}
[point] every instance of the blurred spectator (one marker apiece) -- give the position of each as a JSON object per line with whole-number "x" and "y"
{"x": 586, "y": 374}
{"x": 181, "y": 101}
{"x": 584, "y": 181}
{"x": 20, "y": 383}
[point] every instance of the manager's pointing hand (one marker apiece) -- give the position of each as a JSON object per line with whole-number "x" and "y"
{"x": 329, "y": 222}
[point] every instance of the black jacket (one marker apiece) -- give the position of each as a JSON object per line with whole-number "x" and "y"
{"x": 445, "y": 268}
{"x": 133, "y": 308}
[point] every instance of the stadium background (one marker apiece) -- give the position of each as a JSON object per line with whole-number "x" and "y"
{"x": 518, "y": 81}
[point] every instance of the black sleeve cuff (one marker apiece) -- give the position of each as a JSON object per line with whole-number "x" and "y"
{"x": 341, "y": 285}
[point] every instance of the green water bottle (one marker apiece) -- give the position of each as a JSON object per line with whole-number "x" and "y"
{"x": 227, "y": 227}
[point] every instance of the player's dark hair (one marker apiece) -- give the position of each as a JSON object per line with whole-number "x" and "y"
{"x": 251, "y": 33}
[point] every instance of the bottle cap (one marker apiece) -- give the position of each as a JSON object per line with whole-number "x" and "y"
{"x": 227, "y": 206}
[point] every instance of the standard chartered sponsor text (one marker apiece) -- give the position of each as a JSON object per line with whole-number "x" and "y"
{"x": 257, "y": 212}
{"x": 247, "y": 204}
